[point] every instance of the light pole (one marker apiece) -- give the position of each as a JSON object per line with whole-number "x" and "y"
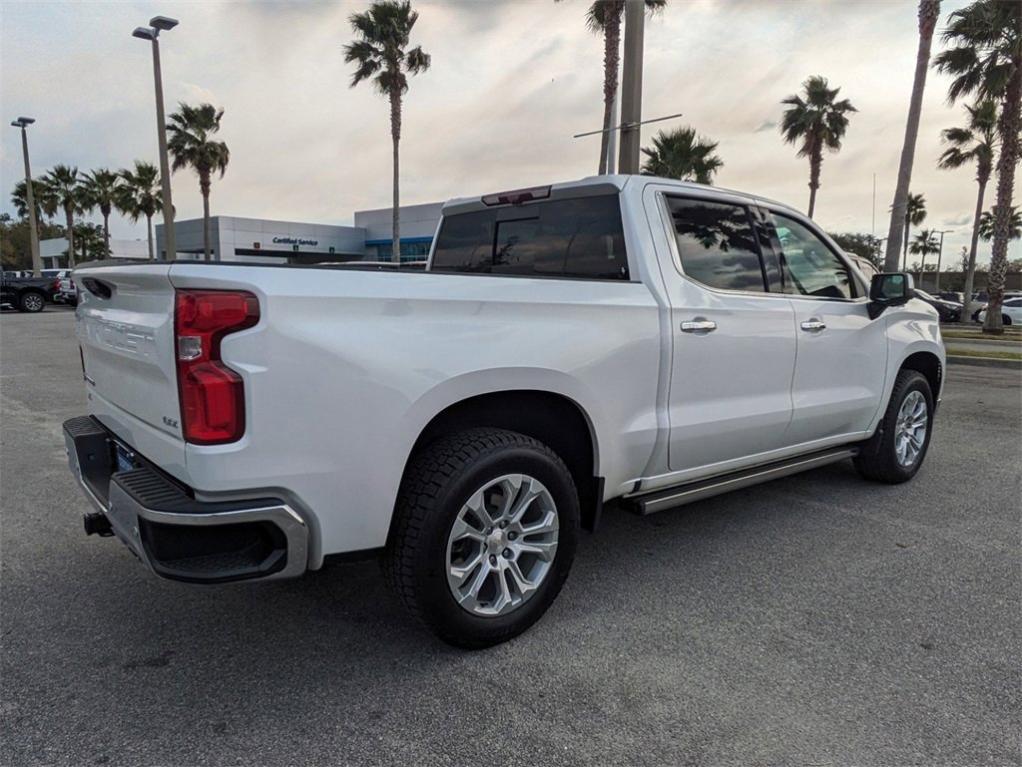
{"x": 152, "y": 33}
{"x": 940, "y": 252}
{"x": 33, "y": 235}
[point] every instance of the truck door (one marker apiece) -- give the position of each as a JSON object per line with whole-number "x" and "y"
{"x": 734, "y": 341}
{"x": 842, "y": 353}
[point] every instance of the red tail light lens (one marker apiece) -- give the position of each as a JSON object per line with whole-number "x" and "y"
{"x": 212, "y": 395}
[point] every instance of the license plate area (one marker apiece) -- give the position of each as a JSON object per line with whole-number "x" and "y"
{"x": 124, "y": 457}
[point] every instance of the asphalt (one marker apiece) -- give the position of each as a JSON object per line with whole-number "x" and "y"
{"x": 816, "y": 620}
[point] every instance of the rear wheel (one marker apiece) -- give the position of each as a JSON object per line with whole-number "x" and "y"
{"x": 897, "y": 449}
{"x": 1005, "y": 319}
{"x": 485, "y": 533}
{"x": 31, "y": 301}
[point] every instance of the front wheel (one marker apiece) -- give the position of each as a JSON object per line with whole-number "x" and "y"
{"x": 896, "y": 451}
{"x": 485, "y": 533}
{"x": 31, "y": 301}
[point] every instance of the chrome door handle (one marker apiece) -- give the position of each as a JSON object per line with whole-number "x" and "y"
{"x": 814, "y": 325}
{"x": 699, "y": 325}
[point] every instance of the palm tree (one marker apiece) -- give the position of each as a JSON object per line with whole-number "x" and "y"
{"x": 604, "y": 18}
{"x": 814, "y": 122}
{"x": 45, "y": 203}
{"x": 915, "y": 214}
{"x": 929, "y": 12}
{"x": 987, "y": 223}
{"x": 139, "y": 195}
{"x": 985, "y": 60}
{"x": 65, "y": 186}
{"x": 192, "y": 146}
{"x": 90, "y": 242}
{"x": 975, "y": 143}
{"x": 924, "y": 243}
{"x": 381, "y": 54}
{"x": 682, "y": 155}
{"x": 99, "y": 190}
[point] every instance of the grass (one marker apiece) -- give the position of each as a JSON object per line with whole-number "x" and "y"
{"x": 953, "y": 352}
{"x": 1010, "y": 334}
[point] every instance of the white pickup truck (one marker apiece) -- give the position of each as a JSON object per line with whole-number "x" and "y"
{"x": 618, "y": 337}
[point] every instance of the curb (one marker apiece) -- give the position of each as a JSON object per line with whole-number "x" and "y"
{"x": 985, "y": 362}
{"x": 986, "y": 341}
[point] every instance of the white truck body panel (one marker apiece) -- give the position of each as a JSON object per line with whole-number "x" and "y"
{"x": 345, "y": 369}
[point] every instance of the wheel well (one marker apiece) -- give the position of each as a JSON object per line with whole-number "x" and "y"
{"x": 553, "y": 419}
{"x": 928, "y": 364}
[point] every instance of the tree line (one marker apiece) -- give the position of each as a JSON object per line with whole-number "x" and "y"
{"x": 134, "y": 192}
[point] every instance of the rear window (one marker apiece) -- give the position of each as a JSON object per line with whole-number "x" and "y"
{"x": 580, "y": 238}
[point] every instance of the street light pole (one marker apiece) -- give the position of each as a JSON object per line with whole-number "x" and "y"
{"x": 152, "y": 33}
{"x": 33, "y": 235}
{"x": 939, "y": 254}
{"x": 631, "y": 87}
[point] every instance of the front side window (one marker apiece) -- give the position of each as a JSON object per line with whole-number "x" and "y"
{"x": 809, "y": 267}
{"x": 580, "y": 238}
{"x": 717, "y": 244}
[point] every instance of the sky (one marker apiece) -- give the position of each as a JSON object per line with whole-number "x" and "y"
{"x": 511, "y": 82}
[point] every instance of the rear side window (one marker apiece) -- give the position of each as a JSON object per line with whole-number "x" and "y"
{"x": 580, "y": 238}
{"x": 717, "y": 244}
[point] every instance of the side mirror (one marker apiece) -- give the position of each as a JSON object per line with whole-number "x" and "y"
{"x": 889, "y": 289}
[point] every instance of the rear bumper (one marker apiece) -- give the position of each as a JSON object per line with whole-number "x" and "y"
{"x": 176, "y": 536}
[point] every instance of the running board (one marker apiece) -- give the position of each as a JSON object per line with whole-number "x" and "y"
{"x": 679, "y": 495}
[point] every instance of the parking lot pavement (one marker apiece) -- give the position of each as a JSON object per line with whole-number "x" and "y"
{"x": 819, "y": 619}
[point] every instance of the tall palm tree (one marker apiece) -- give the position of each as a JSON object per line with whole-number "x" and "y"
{"x": 99, "y": 190}
{"x": 139, "y": 195}
{"x": 815, "y": 121}
{"x": 683, "y": 155}
{"x": 929, "y": 12}
{"x": 191, "y": 144}
{"x": 975, "y": 143}
{"x": 604, "y": 18}
{"x": 923, "y": 244}
{"x": 65, "y": 186}
{"x": 987, "y": 224}
{"x": 985, "y": 59}
{"x": 381, "y": 54}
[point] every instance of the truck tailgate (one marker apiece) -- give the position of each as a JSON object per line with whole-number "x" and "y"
{"x": 126, "y": 331}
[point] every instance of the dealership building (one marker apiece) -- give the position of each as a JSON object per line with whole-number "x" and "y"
{"x": 265, "y": 241}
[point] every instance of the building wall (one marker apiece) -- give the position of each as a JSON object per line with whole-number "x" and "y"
{"x": 52, "y": 250}
{"x": 418, "y": 225}
{"x": 253, "y": 240}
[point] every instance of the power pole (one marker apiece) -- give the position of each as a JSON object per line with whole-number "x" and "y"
{"x": 631, "y": 87}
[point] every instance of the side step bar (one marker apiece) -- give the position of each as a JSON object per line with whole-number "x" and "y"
{"x": 679, "y": 495}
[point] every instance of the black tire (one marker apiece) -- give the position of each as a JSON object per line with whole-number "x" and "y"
{"x": 31, "y": 301}
{"x": 436, "y": 485}
{"x": 1005, "y": 320}
{"x": 877, "y": 459}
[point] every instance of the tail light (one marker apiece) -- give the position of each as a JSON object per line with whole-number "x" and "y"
{"x": 212, "y": 395}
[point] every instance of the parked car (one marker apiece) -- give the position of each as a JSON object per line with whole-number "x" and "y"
{"x": 982, "y": 298}
{"x": 618, "y": 337}
{"x": 1011, "y": 312}
{"x": 948, "y": 311}
{"x": 26, "y": 294}
{"x": 57, "y": 275}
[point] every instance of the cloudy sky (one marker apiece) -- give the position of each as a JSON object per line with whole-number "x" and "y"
{"x": 511, "y": 81}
